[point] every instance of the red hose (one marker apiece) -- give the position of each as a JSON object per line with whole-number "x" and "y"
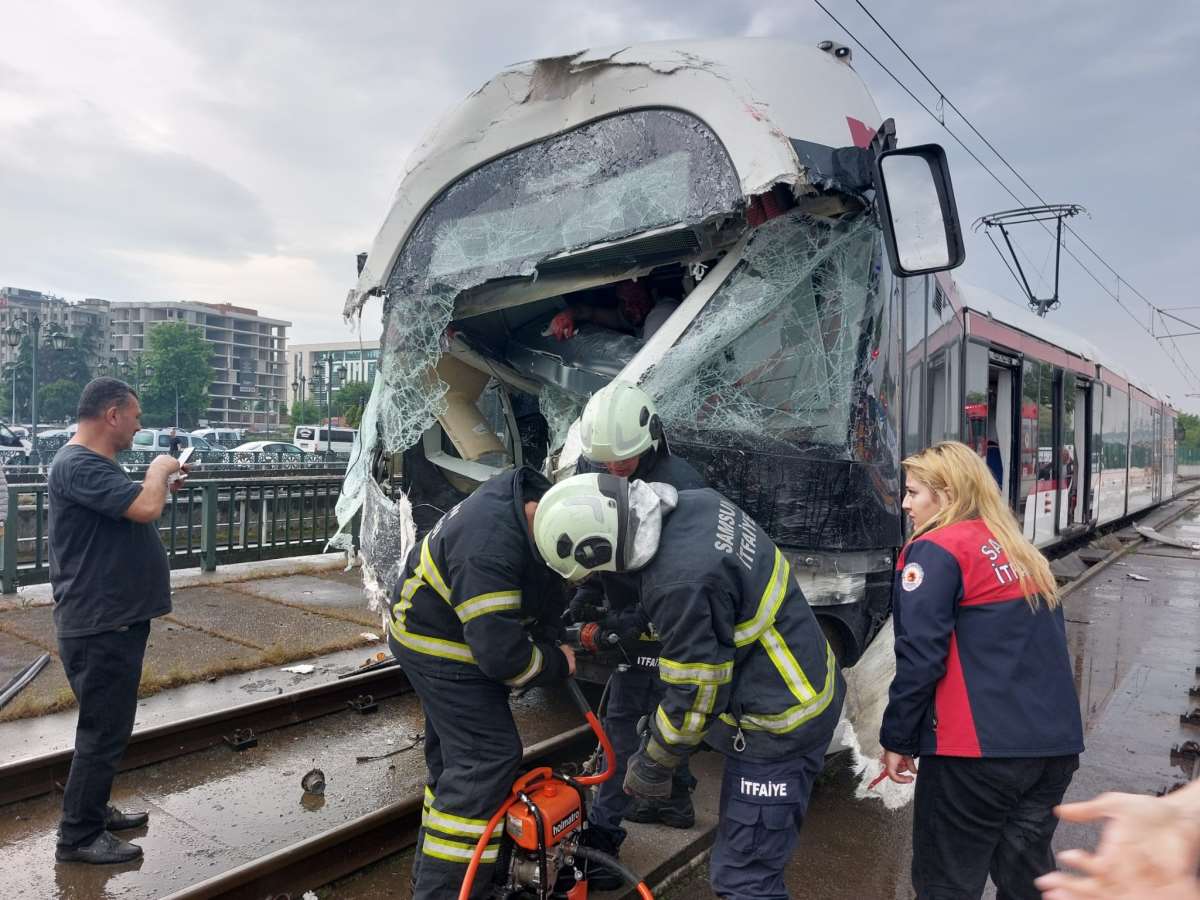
{"x": 606, "y": 746}
{"x": 481, "y": 845}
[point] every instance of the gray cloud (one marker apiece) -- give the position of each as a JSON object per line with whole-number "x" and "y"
{"x": 247, "y": 151}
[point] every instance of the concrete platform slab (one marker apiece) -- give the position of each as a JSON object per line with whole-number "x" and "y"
{"x": 56, "y": 731}
{"x": 176, "y": 654}
{"x": 328, "y": 596}
{"x": 49, "y": 688}
{"x": 241, "y": 616}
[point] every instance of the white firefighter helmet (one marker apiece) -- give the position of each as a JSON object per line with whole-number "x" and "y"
{"x": 582, "y": 525}
{"x": 619, "y": 422}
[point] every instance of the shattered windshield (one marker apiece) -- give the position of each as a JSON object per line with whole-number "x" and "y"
{"x": 610, "y": 179}
{"x": 773, "y": 357}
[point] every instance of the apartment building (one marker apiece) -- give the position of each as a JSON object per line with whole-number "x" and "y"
{"x": 249, "y": 352}
{"x": 249, "y": 369}
{"x": 86, "y": 318}
{"x": 358, "y": 359}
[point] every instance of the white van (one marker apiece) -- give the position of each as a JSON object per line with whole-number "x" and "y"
{"x": 221, "y": 437}
{"x": 319, "y": 438}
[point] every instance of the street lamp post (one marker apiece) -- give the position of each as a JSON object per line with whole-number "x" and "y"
{"x": 57, "y": 340}
{"x": 323, "y": 373}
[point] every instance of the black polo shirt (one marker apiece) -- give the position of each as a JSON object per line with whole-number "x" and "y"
{"x": 106, "y": 571}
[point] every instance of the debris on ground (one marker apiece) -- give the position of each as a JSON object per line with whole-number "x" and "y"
{"x": 313, "y": 782}
{"x": 1151, "y": 535}
{"x": 303, "y": 669}
{"x": 23, "y": 679}
{"x": 309, "y": 895}
{"x": 413, "y": 740}
{"x": 1136, "y": 577}
{"x": 369, "y": 636}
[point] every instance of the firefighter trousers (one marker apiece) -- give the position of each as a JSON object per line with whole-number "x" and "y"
{"x": 473, "y": 753}
{"x": 763, "y": 804}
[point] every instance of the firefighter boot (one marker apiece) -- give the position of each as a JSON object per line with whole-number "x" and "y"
{"x": 675, "y": 812}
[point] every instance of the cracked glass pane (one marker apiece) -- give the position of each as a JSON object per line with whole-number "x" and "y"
{"x": 772, "y": 359}
{"x": 602, "y": 182}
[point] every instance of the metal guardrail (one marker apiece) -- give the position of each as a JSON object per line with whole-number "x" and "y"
{"x": 206, "y": 522}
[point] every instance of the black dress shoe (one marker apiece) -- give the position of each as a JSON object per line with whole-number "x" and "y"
{"x": 106, "y": 849}
{"x": 115, "y": 820}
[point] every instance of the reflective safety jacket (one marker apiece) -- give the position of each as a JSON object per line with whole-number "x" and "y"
{"x": 746, "y": 666}
{"x": 472, "y": 588}
{"x": 978, "y": 673}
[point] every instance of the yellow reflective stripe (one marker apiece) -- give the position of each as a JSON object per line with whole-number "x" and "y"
{"x": 430, "y": 572}
{"x": 768, "y": 605}
{"x": 785, "y": 662}
{"x": 661, "y": 754}
{"x": 456, "y": 851}
{"x": 674, "y": 672}
{"x": 498, "y": 601}
{"x": 404, "y": 604}
{"x": 531, "y": 670}
{"x": 461, "y": 826}
{"x": 688, "y": 736}
{"x": 790, "y": 719}
{"x": 425, "y": 806}
{"x": 431, "y": 646}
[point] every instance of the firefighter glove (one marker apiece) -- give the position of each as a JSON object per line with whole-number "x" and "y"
{"x": 646, "y": 778}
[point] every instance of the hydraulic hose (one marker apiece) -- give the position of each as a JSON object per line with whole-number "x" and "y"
{"x": 599, "y": 856}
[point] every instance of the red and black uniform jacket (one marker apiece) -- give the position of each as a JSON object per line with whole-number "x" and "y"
{"x": 978, "y": 673}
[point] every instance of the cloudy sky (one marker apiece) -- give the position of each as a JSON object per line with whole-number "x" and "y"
{"x": 245, "y": 151}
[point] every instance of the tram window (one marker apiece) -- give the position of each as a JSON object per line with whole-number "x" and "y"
{"x": 975, "y": 403}
{"x": 1116, "y": 453}
{"x": 1031, "y": 397}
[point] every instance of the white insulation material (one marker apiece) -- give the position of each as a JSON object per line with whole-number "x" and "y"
{"x": 867, "y": 686}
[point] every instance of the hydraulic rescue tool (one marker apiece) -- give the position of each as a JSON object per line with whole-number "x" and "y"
{"x": 544, "y": 818}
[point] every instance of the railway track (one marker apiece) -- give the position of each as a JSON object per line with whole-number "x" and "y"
{"x": 338, "y": 852}
{"x": 237, "y": 726}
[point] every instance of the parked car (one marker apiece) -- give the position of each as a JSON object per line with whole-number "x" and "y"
{"x": 222, "y": 438}
{"x": 271, "y": 448}
{"x": 9, "y": 438}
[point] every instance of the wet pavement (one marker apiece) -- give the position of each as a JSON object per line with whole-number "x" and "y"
{"x": 216, "y": 809}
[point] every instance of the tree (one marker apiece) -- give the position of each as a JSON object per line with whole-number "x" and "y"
{"x": 350, "y": 401}
{"x": 58, "y": 400}
{"x": 306, "y": 412}
{"x": 1191, "y": 430}
{"x": 69, "y": 364}
{"x": 180, "y": 357}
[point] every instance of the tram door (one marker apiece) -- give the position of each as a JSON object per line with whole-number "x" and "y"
{"x": 1077, "y": 461}
{"x": 1003, "y": 431}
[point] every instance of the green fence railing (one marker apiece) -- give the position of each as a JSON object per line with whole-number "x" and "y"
{"x": 1187, "y": 456}
{"x": 205, "y": 523}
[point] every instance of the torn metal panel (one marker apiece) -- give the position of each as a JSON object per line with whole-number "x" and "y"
{"x": 753, "y": 94}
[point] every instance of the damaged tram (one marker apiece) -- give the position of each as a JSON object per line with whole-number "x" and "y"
{"x": 728, "y": 224}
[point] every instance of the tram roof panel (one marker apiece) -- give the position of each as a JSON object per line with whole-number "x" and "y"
{"x": 755, "y": 94}
{"x": 1015, "y": 316}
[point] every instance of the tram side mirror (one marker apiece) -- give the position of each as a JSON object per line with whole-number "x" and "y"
{"x": 916, "y": 206}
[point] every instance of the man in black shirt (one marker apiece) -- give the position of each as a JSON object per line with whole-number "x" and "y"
{"x": 110, "y": 577}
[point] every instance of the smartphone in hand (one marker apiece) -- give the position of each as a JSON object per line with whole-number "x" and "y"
{"x": 183, "y": 458}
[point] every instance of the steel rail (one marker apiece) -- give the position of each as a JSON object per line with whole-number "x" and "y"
{"x": 36, "y": 775}
{"x": 330, "y": 855}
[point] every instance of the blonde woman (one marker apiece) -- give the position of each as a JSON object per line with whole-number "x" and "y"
{"x": 983, "y": 692}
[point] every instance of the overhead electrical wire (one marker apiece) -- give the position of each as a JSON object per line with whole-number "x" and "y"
{"x": 1180, "y": 363}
